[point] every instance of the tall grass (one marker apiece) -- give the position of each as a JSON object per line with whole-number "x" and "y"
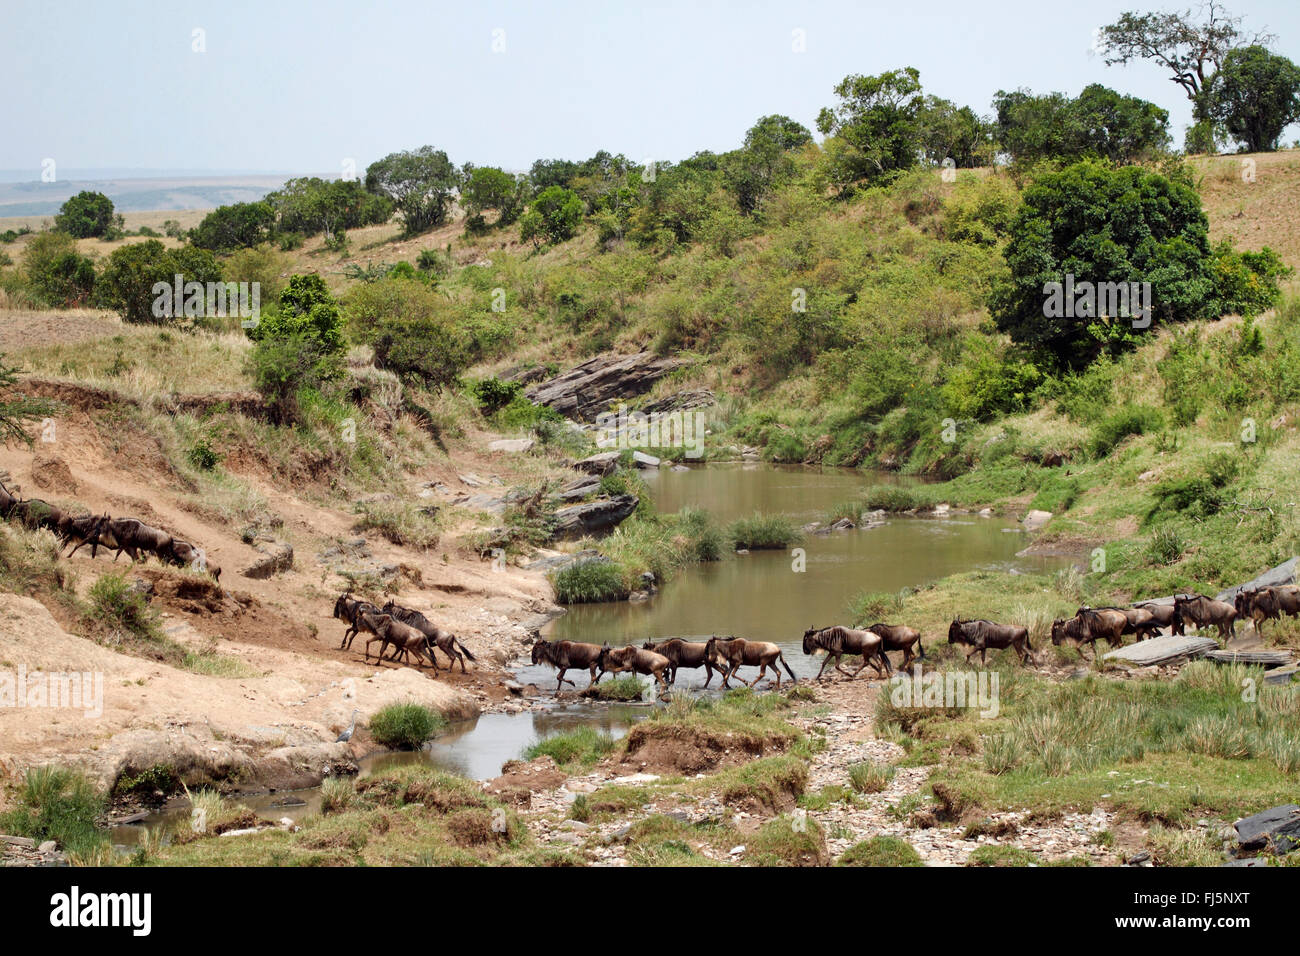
{"x": 763, "y": 532}
{"x": 405, "y": 726}
{"x": 55, "y": 803}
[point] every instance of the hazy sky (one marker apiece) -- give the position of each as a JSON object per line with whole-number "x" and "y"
{"x": 303, "y": 86}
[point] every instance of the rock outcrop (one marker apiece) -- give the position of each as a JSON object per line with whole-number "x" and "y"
{"x": 586, "y": 390}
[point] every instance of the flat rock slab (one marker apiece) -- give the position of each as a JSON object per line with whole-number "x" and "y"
{"x": 593, "y": 517}
{"x": 511, "y": 444}
{"x": 1263, "y": 658}
{"x": 601, "y": 463}
{"x": 586, "y": 390}
{"x": 1276, "y": 829}
{"x": 1163, "y": 650}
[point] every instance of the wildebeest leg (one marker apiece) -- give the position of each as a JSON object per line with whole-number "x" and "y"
{"x": 826, "y": 660}
{"x": 559, "y": 679}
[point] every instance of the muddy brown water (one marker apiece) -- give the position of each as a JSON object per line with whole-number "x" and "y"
{"x": 760, "y": 595}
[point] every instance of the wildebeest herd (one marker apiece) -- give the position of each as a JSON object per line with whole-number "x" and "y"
{"x": 407, "y": 630}
{"x": 104, "y": 531}
{"x": 1144, "y": 620}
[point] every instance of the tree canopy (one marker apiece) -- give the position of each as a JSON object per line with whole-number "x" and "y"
{"x": 420, "y": 183}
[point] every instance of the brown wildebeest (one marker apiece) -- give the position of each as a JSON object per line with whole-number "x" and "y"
{"x": 85, "y": 530}
{"x": 444, "y": 640}
{"x": 1140, "y": 621}
{"x": 38, "y": 513}
{"x": 1267, "y": 603}
{"x": 635, "y": 659}
{"x": 388, "y": 630}
{"x": 347, "y": 608}
{"x": 982, "y": 635}
{"x": 565, "y": 654}
{"x": 737, "y": 652}
{"x": 134, "y": 536}
{"x": 7, "y": 501}
{"x": 900, "y": 637}
{"x": 837, "y": 641}
{"x": 1088, "y": 626}
{"x": 683, "y": 654}
{"x": 1165, "y": 615}
{"x": 1207, "y": 612}
{"x": 183, "y": 554}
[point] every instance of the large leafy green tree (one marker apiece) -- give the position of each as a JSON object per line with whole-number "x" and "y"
{"x": 553, "y": 216}
{"x": 85, "y": 215}
{"x": 949, "y": 131}
{"x": 878, "y": 121}
{"x": 309, "y": 205}
{"x": 127, "y": 282}
{"x": 299, "y": 346}
{"x": 56, "y": 273}
{"x": 489, "y": 188}
{"x": 1101, "y": 224}
{"x": 1100, "y": 123}
{"x": 764, "y": 161}
{"x": 420, "y": 183}
{"x": 236, "y": 226}
{"x": 1255, "y": 96}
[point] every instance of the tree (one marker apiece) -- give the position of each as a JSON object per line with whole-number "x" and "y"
{"x": 1100, "y": 123}
{"x": 878, "y": 119}
{"x": 553, "y": 216}
{"x": 1190, "y": 51}
{"x": 127, "y": 282}
{"x": 85, "y": 215}
{"x": 56, "y": 273}
{"x": 764, "y": 160}
{"x": 308, "y": 205}
{"x": 420, "y": 184}
{"x": 1255, "y": 96}
{"x": 957, "y": 133}
{"x": 237, "y": 226}
{"x": 1101, "y": 224}
{"x": 299, "y": 346}
{"x": 488, "y": 187}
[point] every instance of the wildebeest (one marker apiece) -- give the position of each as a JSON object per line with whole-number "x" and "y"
{"x": 635, "y": 659}
{"x": 1267, "y": 603}
{"x": 565, "y": 654}
{"x": 347, "y": 608}
{"x": 737, "y": 652}
{"x": 1090, "y": 625}
{"x": 388, "y": 630}
{"x": 7, "y": 501}
{"x": 82, "y": 530}
{"x": 1140, "y": 621}
{"x": 982, "y": 635}
{"x": 1165, "y": 615}
{"x": 837, "y": 641}
{"x": 1207, "y": 612}
{"x": 682, "y": 653}
{"x": 443, "y": 639}
{"x": 134, "y": 536}
{"x": 37, "y": 513}
{"x": 183, "y": 554}
{"x": 900, "y": 637}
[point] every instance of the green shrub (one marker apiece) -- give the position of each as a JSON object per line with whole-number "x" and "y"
{"x": 57, "y": 804}
{"x": 405, "y": 726}
{"x": 55, "y": 273}
{"x": 763, "y": 532}
{"x": 492, "y": 394}
{"x": 116, "y": 604}
{"x": 1114, "y": 428}
{"x": 589, "y": 581}
{"x": 881, "y": 851}
{"x": 582, "y": 747}
{"x": 869, "y": 776}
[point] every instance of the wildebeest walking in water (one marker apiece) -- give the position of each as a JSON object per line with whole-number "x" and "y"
{"x": 563, "y": 655}
{"x": 444, "y": 640}
{"x": 737, "y": 652}
{"x": 682, "y": 653}
{"x": 837, "y": 641}
{"x": 982, "y": 635}
{"x": 635, "y": 659}
{"x": 1207, "y": 612}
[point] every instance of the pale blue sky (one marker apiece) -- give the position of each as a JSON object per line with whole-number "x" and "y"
{"x": 302, "y": 86}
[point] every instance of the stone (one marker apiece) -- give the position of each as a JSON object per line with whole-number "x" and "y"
{"x": 511, "y": 444}
{"x": 278, "y": 558}
{"x": 844, "y": 524}
{"x": 601, "y": 463}
{"x": 1276, "y": 829}
{"x": 1036, "y": 518}
{"x": 514, "y": 687}
{"x": 49, "y": 846}
{"x": 586, "y": 390}
{"x": 593, "y": 517}
{"x": 642, "y": 460}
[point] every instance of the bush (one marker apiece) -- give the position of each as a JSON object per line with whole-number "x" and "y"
{"x": 492, "y": 394}
{"x": 583, "y": 746}
{"x": 763, "y": 532}
{"x": 299, "y": 347}
{"x": 57, "y": 804}
{"x": 405, "y": 726}
{"x": 589, "y": 581}
{"x": 881, "y": 851}
{"x": 115, "y": 603}
{"x": 237, "y": 226}
{"x": 870, "y": 776}
{"x": 56, "y": 274}
{"x": 1129, "y": 420}
{"x": 128, "y": 282}
{"x": 85, "y": 215}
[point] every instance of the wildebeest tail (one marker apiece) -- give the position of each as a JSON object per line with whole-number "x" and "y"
{"x": 464, "y": 649}
{"x": 781, "y": 657}
{"x": 920, "y": 647}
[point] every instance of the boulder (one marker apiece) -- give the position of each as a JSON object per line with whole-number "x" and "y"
{"x": 511, "y": 444}
{"x": 278, "y": 558}
{"x": 601, "y": 463}
{"x": 1276, "y": 829}
{"x": 642, "y": 460}
{"x": 680, "y": 401}
{"x": 593, "y": 517}
{"x": 586, "y": 390}
{"x": 1036, "y": 519}
{"x": 579, "y": 488}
